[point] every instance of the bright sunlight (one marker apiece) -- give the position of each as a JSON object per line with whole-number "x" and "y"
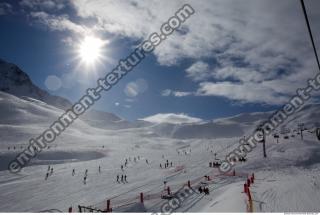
{"x": 90, "y": 49}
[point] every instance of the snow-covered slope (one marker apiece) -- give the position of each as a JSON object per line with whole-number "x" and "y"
{"x": 287, "y": 180}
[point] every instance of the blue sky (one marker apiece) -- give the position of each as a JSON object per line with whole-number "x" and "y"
{"x": 231, "y": 58}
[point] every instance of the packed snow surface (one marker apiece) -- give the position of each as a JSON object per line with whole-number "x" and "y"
{"x": 287, "y": 180}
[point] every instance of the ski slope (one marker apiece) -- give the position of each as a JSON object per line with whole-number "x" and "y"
{"x": 287, "y": 180}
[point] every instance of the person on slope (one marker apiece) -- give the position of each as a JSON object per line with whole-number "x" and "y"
{"x": 73, "y": 172}
{"x": 121, "y": 178}
{"x": 118, "y": 178}
{"x": 125, "y": 178}
{"x": 47, "y": 175}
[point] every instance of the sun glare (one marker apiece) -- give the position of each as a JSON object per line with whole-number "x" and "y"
{"x": 90, "y": 49}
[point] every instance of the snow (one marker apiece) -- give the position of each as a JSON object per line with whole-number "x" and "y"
{"x": 287, "y": 180}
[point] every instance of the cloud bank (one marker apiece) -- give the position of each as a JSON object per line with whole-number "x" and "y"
{"x": 172, "y": 118}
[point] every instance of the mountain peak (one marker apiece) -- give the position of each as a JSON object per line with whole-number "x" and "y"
{"x": 16, "y": 82}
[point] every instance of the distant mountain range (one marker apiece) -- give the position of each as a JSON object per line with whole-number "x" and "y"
{"x": 16, "y": 82}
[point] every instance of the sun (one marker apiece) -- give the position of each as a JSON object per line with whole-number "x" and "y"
{"x": 91, "y": 49}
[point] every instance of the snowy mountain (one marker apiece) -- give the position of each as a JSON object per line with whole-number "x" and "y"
{"x": 16, "y": 82}
{"x": 235, "y": 126}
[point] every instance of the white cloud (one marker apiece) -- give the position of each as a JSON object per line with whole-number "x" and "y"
{"x": 43, "y": 4}
{"x": 199, "y": 71}
{"x": 58, "y": 23}
{"x": 5, "y": 8}
{"x": 117, "y": 104}
{"x": 248, "y": 92}
{"x": 252, "y": 41}
{"x": 172, "y": 118}
{"x": 240, "y": 74}
{"x": 166, "y": 92}
{"x": 181, "y": 93}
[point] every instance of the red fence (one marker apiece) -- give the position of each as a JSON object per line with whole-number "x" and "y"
{"x": 114, "y": 202}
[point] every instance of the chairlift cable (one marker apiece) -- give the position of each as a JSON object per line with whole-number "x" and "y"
{"x": 310, "y": 32}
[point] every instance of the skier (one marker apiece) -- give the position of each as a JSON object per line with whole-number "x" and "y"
{"x": 206, "y": 191}
{"x": 73, "y": 172}
{"x": 125, "y": 178}
{"x": 121, "y": 178}
{"x": 118, "y": 178}
{"x": 51, "y": 172}
{"x": 99, "y": 169}
{"x": 85, "y": 179}
{"x": 47, "y": 175}
{"x": 147, "y": 161}
{"x": 134, "y": 159}
{"x": 86, "y": 173}
{"x": 9, "y": 148}
{"x": 48, "y": 168}
{"x": 171, "y": 164}
{"x": 200, "y": 189}
{"x": 160, "y": 166}
{"x": 122, "y": 167}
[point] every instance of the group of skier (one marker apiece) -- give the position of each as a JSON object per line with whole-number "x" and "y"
{"x": 85, "y": 177}
{"x": 135, "y": 159}
{"x": 185, "y": 152}
{"x": 166, "y": 164}
{"x": 122, "y": 179}
{"x": 49, "y": 172}
{"x": 14, "y": 147}
{"x": 204, "y": 190}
